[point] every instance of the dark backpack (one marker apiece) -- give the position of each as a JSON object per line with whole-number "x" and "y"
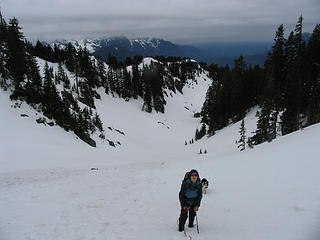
{"x": 186, "y": 176}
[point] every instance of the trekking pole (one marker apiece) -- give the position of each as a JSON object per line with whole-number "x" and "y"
{"x": 197, "y": 223}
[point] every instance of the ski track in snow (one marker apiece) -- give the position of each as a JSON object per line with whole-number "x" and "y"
{"x": 48, "y": 190}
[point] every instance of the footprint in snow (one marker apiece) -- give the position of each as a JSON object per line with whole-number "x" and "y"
{"x": 298, "y": 209}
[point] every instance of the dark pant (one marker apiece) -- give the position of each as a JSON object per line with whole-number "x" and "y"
{"x": 184, "y": 216}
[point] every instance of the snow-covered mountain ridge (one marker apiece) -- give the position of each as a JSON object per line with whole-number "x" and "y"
{"x": 123, "y": 47}
{"x": 93, "y": 44}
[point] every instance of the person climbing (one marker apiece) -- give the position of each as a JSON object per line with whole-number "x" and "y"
{"x": 190, "y": 196}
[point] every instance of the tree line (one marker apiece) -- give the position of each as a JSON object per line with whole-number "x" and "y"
{"x": 287, "y": 89}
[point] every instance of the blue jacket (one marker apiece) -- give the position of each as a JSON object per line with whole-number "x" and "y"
{"x": 190, "y": 193}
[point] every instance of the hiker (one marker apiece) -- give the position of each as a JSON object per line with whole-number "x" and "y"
{"x": 190, "y": 197}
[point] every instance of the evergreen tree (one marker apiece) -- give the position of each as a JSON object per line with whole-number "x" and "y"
{"x": 295, "y": 91}
{"x": 128, "y": 62}
{"x": 290, "y": 49}
{"x": 87, "y": 68}
{"x": 112, "y": 61}
{"x": 51, "y": 99}
{"x": 47, "y": 91}
{"x": 275, "y": 66}
{"x": 71, "y": 60}
{"x": 203, "y": 131}
{"x": 196, "y": 136}
{"x": 251, "y": 141}
{"x": 63, "y": 76}
{"x": 200, "y": 134}
{"x": 98, "y": 122}
{"x": 273, "y": 125}
{"x": 3, "y": 52}
{"x": 151, "y": 89}
{"x": 262, "y": 133}
{"x": 16, "y": 63}
{"x": 101, "y": 71}
{"x": 111, "y": 76}
{"x": 59, "y": 77}
{"x": 313, "y": 51}
{"x": 238, "y": 96}
{"x": 33, "y": 87}
{"x": 136, "y": 81}
{"x": 156, "y": 79}
{"x": 300, "y": 43}
{"x": 147, "y": 104}
{"x": 242, "y": 140}
{"x": 127, "y": 87}
{"x": 86, "y": 95}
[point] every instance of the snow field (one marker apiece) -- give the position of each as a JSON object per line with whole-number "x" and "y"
{"x": 48, "y": 190}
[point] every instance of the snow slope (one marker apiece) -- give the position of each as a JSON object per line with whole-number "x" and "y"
{"x": 48, "y": 190}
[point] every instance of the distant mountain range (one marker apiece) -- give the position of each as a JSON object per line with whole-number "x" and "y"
{"x": 218, "y": 53}
{"x": 122, "y": 47}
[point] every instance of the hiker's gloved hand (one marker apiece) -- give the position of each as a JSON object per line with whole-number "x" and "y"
{"x": 186, "y": 207}
{"x": 196, "y": 209}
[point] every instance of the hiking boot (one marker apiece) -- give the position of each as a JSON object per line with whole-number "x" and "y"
{"x": 181, "y": 228}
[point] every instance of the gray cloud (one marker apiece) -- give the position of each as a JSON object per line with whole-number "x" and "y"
{"x": 183, "y": 21}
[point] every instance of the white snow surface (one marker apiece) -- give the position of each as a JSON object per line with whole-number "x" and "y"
{"x": 48, "y": 190}
{"x": 147, "y": 61}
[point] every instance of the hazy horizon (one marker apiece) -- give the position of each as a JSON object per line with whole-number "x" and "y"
{"x": 182, "y": 22}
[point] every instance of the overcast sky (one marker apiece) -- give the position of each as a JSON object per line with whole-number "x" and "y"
{"x": 180, "y": 21}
